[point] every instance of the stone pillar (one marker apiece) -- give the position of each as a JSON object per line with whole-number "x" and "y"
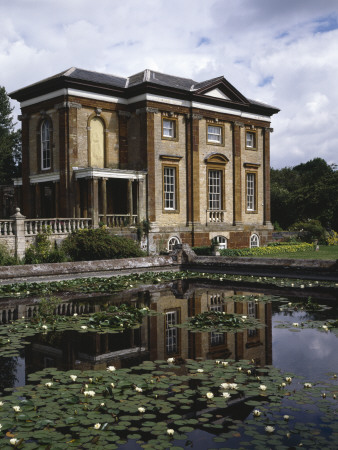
{"x": 237, "y": 174}
{"x": 141, "y": 202}
{"x": 266, "y": 176}
{"x": 19, "y": 227}
{"x": 93, "y": 200}
{"x": 57, "y": 198}
{"x": 130, "y": 200}
{"x": 26, "y": 192}
{"x": 123, "y": 138}
{"x": 77, "y": 199}
{"x": 37, "y": 200}
{"x": 104, "y": 199}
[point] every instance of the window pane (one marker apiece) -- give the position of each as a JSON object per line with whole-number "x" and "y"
{"x": 214, "y": 134}
{"x": 168, "y": 128}
{"x": 250, "y": 191}
{"x": 169, "y": 180}
{"x": 215, "y": 189}
{"x": 171, "y": 332}
{"x": 250, "y": 140}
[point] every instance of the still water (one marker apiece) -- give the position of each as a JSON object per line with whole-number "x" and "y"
{"x": 309, "y": 353}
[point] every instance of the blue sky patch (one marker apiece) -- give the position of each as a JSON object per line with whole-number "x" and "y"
{"x": 326, "y": 24}
{"x": 203, "y": 41}
{"x": 265, "y": 81}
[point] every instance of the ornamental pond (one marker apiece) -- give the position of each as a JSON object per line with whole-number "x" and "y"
{"x": 197, "y": 362}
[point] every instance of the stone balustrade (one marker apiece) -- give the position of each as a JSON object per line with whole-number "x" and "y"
{"x": 118, "y": 220}
{"x": 215, "y": 216}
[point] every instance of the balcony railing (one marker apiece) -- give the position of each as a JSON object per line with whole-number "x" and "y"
{"x": 6, "y": 228}
{"x": 56, "y": 226}
{"x": 215, "y": 216}
{"x": 119, "y": 220}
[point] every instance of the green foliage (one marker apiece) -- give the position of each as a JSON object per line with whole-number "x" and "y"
{"x": 332, "y": 238}
{"x": 142, "y": 229}
{"x": 43, "y": 251}
{"x": 221, "y": 322}
{"x": 306, "y": 191}
{"x": 10, "y": 141}
{"x": 310, "y": 230}
{"x": 270, "y": 250}
{"x": 99, "y": 243}
{"x": 6, "y": 259}
{"x": 203, "y": 250}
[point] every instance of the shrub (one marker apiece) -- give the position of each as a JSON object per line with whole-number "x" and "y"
{"x": 310, "y": 230}
{"x": 99, "y": 243}
{"x": 6, "y": 259}
{"x": 204, "y": 250}
{"x": 267, "y": 251}
{"x": 43, "y": 251}
{"x": 332, "y": 238}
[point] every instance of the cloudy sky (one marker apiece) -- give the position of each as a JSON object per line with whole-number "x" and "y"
{"x": 282, "y": 52}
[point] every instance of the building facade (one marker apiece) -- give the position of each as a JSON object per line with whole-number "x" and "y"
{"x": 191, "y": 159}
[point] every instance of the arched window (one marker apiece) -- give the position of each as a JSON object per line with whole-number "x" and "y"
{"x": 254, "y": 241}
{"x": 45, "y": 145}
{"x": 221, "y": 241}
{"x": 172, "y": 242}
{"x": 97, "y": 157}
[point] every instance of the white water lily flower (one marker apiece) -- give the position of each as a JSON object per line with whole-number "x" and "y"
{"x": 210, "y": 395}
{"x": 44, "y": 327}
{"x": 269, "y": 429}
{"x": 286, "y": 417}
{"x": 17, "y": 408}
{"x": 49, "y": 384}
{"x": 307, "y": 385}
{"x": 218, "y": 362}
{"x": 102, "y": 404}
{"x": 262, "y": 387}
{"x": 325, "y": 327}
{"x": 141, "y": 409}
{"x": 112, "y": 385}
{"x": 249, "y": 372}
{"x": 138, "y": 389}
{"x": 111, "y": 369}
{"x": 239, "y": 369}
{"x": 257, "y": 412}
{"x": 295, "y": 324}
{"x": 97, "y": 426}
{"x": 224, "y": 386}
{"x": 90, "y": 380}
{"x": 288, "y": 379}
{"x": 1, "y": 403}
{"x": 170, "y": 431}
{"x": 200, "y": 370}
{"x": 171, "y": 360}
{"x": 14, "y": 441}
{"x": 289, "y": 304}
{"x": 302, "y": 286}
{"x": 0, "y": 426}
{"x": 226, "y": 395}
{"x": 89, "y": 393}
{"x": 84, "y": 327}
{"x": 225, "y": 363}
{"x": 233, "y": 385}
{"x": 73, "y": 377}
{"x": 244, "y": 317}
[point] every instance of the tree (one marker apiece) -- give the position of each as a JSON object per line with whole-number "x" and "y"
{"x": 10, "y": 141}
{"x": 307, "y": 191}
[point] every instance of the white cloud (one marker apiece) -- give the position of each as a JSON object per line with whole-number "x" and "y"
{"x": 279, "y": 52}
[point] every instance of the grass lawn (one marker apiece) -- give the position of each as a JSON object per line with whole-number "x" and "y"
{"x": 324, "y": 252}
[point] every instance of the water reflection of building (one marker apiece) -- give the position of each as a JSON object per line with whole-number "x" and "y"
{"x": 158, "y": 337}
{"x": 169, "y": 341}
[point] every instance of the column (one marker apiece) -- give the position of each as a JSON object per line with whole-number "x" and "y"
{"x": 237, "y": 174}
{"x": 93, "y": 200}
{"x": 77, "y": 199}
{"x": 266, "y": 175}
{"x": 104, "y": 199}
{"x": 27, "y": 206}
{"x": 37, "y": 200}
{"x": 130, "y": 200}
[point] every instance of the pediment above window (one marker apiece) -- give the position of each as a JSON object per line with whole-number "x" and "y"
{"x": 216, "y": 158}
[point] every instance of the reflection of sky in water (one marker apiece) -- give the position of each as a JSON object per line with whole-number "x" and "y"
{"x": 308, "y": 352}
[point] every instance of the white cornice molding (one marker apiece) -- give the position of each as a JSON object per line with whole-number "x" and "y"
{"x": 142, "y": 97}
{"x": 44, "y": 177}
{"x": 90, "y": 172}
